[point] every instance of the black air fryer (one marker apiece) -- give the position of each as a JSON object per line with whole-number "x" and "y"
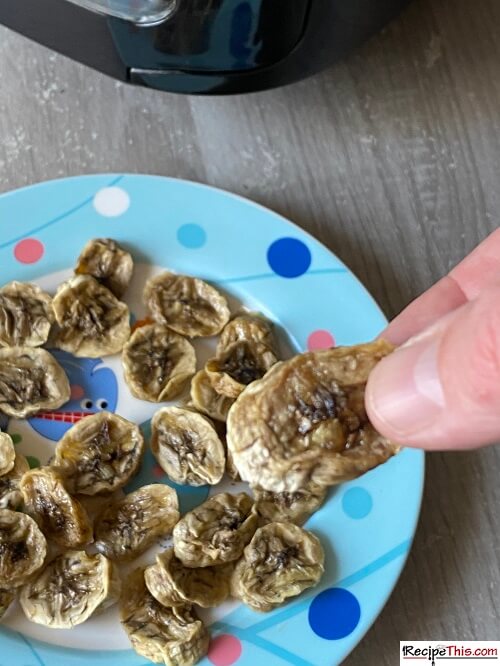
{"x": 201, "y": 46}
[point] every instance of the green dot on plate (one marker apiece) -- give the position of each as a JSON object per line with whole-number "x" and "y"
{"x": 16, "y": 438}
{"x": 32, "y": 461}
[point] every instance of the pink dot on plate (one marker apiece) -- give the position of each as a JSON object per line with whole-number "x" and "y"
{"x": 224, "y": 650}
{"x": 320, "y": 340}
{"x": 29, "y": 251}
{"x": 77, "y": 392}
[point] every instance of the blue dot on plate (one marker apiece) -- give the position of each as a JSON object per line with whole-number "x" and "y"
{"x": 289, "y": 257}
{"x": 334, "y": 614}
{"x": 192, "y": 236}
{"x": 357, "y": 503}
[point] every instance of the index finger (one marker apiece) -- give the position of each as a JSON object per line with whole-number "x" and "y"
{"x": 479, "y": 270}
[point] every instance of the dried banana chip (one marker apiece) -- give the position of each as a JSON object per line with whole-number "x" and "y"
{"x": 280, "y": 562}
{"x": 245, "y": 352}
{"x": 30, "y": 380}
{"x": 247, "y": 327}
{"x": 206, "y": 399}
{"x": 215, "y": 532}
{"x": 10, "y": 493}
{"x": 172, "y": 636}
{"x": 108, "y": 263}
{"x": 7, "y": 453}
{"x": 173, "y": 584}
{"x": 26, "y": 315}
{"x": 61, "y": 517}
{"x": 92, "y": 321}
{"x": 157, "y": 363}
{"x": 295, "y": 507}
{"x": 22, "y": 548}
{"x": 70, "y": 589}
{"x": 6, "y": 599}
{"x": 187, "y": 447}
{"x": 99, "y": 454}
{"x": 239, "y": 365}
{"x": 306, "y": 421}
{"x": 187, "y": 305}
{"x": 128, "y": 527}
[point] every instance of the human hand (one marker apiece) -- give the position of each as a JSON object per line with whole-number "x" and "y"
{"x": 441, "y": 388}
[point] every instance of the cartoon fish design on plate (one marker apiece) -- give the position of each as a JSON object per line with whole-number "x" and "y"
{"x": 94, "y": 388}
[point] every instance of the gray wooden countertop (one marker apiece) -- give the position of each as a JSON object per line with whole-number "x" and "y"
{"x": 391, "y": 158}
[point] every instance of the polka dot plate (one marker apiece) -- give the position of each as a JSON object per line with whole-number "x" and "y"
{"x": 266, "y": 263}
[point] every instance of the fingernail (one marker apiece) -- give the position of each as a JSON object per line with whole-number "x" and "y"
{"x": 404, "y": 391}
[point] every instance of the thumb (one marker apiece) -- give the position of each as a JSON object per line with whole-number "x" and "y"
{"x": 441, "y": 390}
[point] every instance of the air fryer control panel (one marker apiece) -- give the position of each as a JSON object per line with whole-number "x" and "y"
{"x": 214, "y": 35}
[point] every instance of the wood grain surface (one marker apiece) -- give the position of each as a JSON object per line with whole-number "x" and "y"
{"x": 391, "y": 158}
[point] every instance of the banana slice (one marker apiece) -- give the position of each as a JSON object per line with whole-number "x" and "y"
{"x": 61, "y": 517}
{"x": 240, "y": 365}
{"x": 187, "y": 447}
{"x": 205, "y": 398}
{"x": 173, "y": 584}
{"x": 306, "y": 421}
{"x": 99, "y": 454}
{"x": 215, "y": 532}
{"x": 187, "y": 305}
{"x": 22, "y": 548}
{"x": 26, "y": 315}
{"x": 128, "y": 527}
{"x": 247, "y": 327}
{"x": 157, "y": 363}
{"x": 30, "y": 380}
{"x": 245, "y": 352}
{"x": 108, "y": 263}
{"x": 286, "y": 507}
{"x": 281, "y": 561}
{"x": 92, "y": 322}
{"x": 70, "y": 589}
{"x": 172, "y": 636}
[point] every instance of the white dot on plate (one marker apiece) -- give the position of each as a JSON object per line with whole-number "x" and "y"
{"x": 111, "y": 201}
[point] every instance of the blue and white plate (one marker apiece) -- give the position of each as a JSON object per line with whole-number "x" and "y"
{"x": 261, "y": 261}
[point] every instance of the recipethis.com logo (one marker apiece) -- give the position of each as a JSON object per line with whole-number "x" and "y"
{"x": 449, "y": 653}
